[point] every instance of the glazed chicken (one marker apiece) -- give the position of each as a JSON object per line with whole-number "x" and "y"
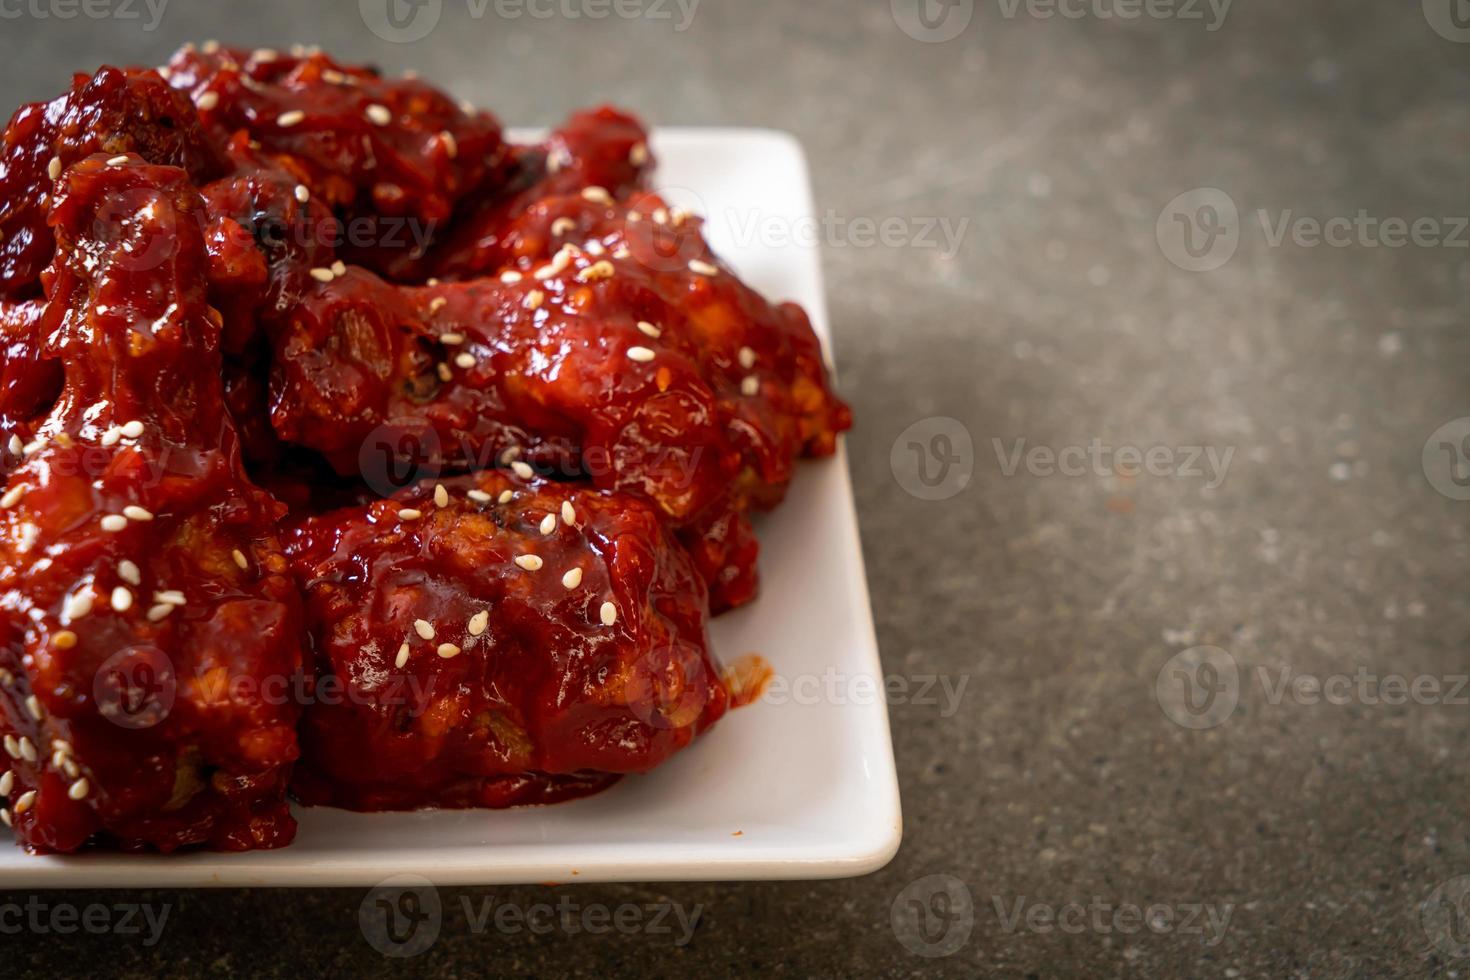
{"x": 144, "y": 599}
{"x": 352, "y": 454}
{"x": 490, "y": 641}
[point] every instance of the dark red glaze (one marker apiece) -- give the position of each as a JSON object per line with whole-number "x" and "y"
{"x": 539, "y": 699}
{"x": 365, "y": 144}
{"x": 600, "y": 147}
{"x": 142, "y": 730}
{"x": 260, "y": 290}
{"x": 114, "y": 111}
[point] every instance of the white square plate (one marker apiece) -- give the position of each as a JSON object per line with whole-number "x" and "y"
{"x": 798, "y": 785}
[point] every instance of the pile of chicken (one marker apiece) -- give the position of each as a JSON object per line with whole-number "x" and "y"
{"x": 354, "y": 454}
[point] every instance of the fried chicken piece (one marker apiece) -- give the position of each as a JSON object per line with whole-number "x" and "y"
{"x": 149, "y": 622}
{"x": 603, "y": 147}
{"x": 364, "y": 145}
{"x": 488, "y": 641}
{"x": 114, "y": 111}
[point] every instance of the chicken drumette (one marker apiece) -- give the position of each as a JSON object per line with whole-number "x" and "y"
{"x": 149, "y": 625}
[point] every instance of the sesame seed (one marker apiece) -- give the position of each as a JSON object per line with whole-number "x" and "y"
{"x": 638, "y": 156}
{"x": 409, "y": 514}
{"x": 548, "y": 525}
{"x": 53, "y": 169}
{"x": 661, "y": 217}
{"x": 597, "y": 195}
{"x": 114, "y": 523}
{"x": 640, "y": 354}
{"x": 160, "y": 612}
{"x": 322, "y": 275}
{"x": 534, "y": 299}
{"x": 402, "y": 657}
{"x": 118, "y": 161}
{"x": 635, "y": 216}
{"x": 595, "y": 247}
{"x": 79, "y": 789}
{"x": 448, "y": 339}
{"x": 5, "y": 817}
{"x": 465, "y": 361}
{"x": 443, "y": 371}
{"x": 28, "y": 750}
{"x": 379, "y": 115}
{"x": 609, "y": 614}
{"x": 649, "y": 329}
{"x": 479, "y": 496}
{"x": 339, "y": 268}
{"x": 70, "y": 768}
{"x": 7, "y": 782}
{"x": 263, "y": 55}
{"x": 522, "y": 470}
{"x": 16, "y": 446}
{"x": 479, "y": 622}
{"x": 171, "y": 596}
{"x": 563, "y": 225}
{"x": 64, "y": 640}
{"x": 531, "y": 563}
{"x": 750, "y": 386}
{"x": 303, "y": 193}
{"x": 13, "y": 496}
{"x": 441, "y": 496}
{"x": 451, "y": 145}
{"x": 129, "y": 572}
{"x": 747, "y": 358}
{"x": 600, "y": 270}
{"x": 424, "y": 629}
{"x": 24, "y": 803}
{"x": 568, "y": 512}
{"x": 210, "y": 47}
{"x": 288, "y": 119}
{"x": 12, "y": 747}
{"x": 208, "y": 101}
{"x": 511, "y": 454}
{"x": 111, "y": 437}
{"x": 572, "y": 578}
{"x": 77, "y": 606}
{"x": 33, "y": 705}
{"x": 511, "y": 278}
{"x": 448, "y": 651}
{"x": 506, "y": 496}
{"x": 122, "y": 599}
{"x": 240, "y": 559}
{"x": 135, "y": 513}
{"x": 703, "y": 268}
{"x": 132, "y": 430}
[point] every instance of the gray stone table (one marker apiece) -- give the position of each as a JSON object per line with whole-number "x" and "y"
{"x": 1213, "y": 271}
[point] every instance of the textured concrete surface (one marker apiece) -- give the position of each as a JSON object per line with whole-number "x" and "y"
{"x": 1330, "y": 834}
